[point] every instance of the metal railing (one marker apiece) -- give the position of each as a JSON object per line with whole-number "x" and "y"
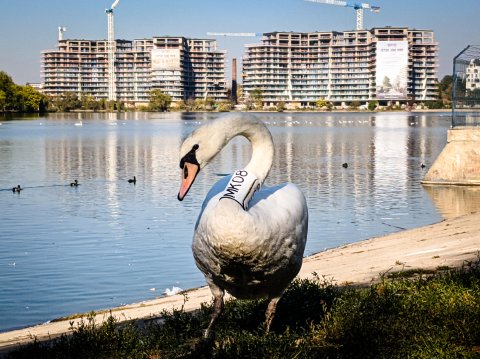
{"x": 466, "y": 87}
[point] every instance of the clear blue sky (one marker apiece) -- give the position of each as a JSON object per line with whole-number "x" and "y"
{"x": 29, "y": 26}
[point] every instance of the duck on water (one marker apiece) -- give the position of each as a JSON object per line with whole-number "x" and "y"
{"x": 248, "y": 240}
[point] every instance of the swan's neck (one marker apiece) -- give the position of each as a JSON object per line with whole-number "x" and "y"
{"x": 245, "y": 182}
{"x": 209, "y": 140}
{"x": 262, "y": 149}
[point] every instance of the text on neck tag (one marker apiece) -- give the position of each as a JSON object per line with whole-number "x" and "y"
{"x": 241, "y": 188}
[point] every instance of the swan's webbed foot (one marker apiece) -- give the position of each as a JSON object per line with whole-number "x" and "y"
{"x": 270, "y": 313}
{"x": 218, "y": 306}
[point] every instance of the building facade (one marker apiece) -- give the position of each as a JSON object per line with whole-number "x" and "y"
{"x": 181, "y": 67}
{"x": 472, "y": 75}
{"x": 385, "y": 64}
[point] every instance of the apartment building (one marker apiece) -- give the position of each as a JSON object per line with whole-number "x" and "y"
{"x": 387, "y": 64}
{"x": 181, "y": 67}
{"x": 472, "y": 75}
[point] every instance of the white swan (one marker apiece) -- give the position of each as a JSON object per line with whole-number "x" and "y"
{"x": 248, "y": 241}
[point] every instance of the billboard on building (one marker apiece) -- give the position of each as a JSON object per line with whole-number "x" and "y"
{"x": 165, "y": 59}
{"x": 392, "y": 70}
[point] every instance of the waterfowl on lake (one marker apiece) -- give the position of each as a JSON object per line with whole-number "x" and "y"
{"x": 134, "y": 180}
{"x": 345, "y": 165}
{"x": 74, "y": 184}
{"x": 249, "y": 240}
{"x": 17, "y": 189}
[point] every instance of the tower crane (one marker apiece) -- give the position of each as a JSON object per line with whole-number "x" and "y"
{"x": 357, "y": 6}
{"x": 239, "y": 34}
{"x": 112, "y": 90}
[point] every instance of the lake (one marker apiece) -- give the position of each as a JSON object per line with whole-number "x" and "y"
{"x": 108, "y": 242}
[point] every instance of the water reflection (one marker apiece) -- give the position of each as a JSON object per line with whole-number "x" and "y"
{"x": 455, "y": 201}
{"x": 108, "y": 242}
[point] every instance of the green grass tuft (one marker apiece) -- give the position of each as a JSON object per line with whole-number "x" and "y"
{"x": 429, "y": 315}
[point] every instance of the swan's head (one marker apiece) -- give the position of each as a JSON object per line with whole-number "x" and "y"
{"x": 203, "y": 144}
{"x": 195, "y": 153}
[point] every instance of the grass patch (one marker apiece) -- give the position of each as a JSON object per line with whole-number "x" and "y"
{"x": 434, "y": 316}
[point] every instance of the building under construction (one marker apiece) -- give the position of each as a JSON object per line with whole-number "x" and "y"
{"x": 390, "y": 64}
{"x": 181, "y": 67}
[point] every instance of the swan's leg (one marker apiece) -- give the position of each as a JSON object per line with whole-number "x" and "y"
{"x": 270, "y": 313}
{"x": 217, "y": 307}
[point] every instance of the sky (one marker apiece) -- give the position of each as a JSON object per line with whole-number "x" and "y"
{"x": 29, "y": 26}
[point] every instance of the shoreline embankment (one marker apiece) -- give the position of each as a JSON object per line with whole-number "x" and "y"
{"x": 450, "y": 243}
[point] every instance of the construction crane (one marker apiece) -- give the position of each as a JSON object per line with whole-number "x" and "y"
{"x": 239, "y": 34}
{"x": 61, "y": 30}
{"x": 112, "y": 88}
{"x": 357, "y": 6}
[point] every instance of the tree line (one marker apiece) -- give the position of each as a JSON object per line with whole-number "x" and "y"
{"x": 17, "y": 98}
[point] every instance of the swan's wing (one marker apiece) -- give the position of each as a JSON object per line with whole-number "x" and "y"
{"x": 281, "y": 212}
{"x": 275, "y": 225}
{"x": 260, "y": 248}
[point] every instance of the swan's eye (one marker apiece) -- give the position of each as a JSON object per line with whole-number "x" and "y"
{"x": 185, "y": 172}
{"x": 190, "y": 157}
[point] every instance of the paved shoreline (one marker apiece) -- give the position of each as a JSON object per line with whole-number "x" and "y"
{"x": 449, "y": 243}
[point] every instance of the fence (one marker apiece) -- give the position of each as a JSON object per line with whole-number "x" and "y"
{"x": 466, "y": 87}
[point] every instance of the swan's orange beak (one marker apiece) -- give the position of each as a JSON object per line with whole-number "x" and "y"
{"x": 189, "y": 173}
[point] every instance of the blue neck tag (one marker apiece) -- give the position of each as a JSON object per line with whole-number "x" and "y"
{"x": 241, "y": 188}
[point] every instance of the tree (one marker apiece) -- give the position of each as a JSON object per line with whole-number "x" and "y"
{"x": 323, "y": 104}
{"x": 198, "y": 105}
{"x": 7, "y": 87}
{"x": 3, "y": 101}
{"x": 225, "y": 106}
{"x": 159, "y": 101}
{"x": 190, "y": 104}
{"x": 256, "y": 96}
{"x": 32, "y": 100}
{"x": 355, "y": 105}
{"x": 445, "y": 90}
{"x": 209, "y": 103}
{"x": 372, "y": 105}
{"x": 89, "y": 103}
{"x": 19, "y": 98}
{"x": 67, "y": 102}
{"x": 281, "y": 106}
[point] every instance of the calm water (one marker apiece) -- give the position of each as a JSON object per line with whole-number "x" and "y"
{"x": 108, "y": 242}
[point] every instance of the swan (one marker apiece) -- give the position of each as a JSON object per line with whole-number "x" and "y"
{"x": 134, "y": 180}
{"x": 74, "y": 184}
{"x": 248, "y": 240}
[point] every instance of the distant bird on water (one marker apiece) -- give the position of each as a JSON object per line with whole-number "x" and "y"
{"x": 345, "y": 165}
{"x": 134, "y": 180}
{"x": 74, "y": 183}
{"x": 16, "y": 189}
{"x": 422, "y": 166}
{"x": 248, "y": 240}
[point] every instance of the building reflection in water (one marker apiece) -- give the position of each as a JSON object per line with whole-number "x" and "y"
{"x": 455, "y": 201}
{"x": 384, "y": 153}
